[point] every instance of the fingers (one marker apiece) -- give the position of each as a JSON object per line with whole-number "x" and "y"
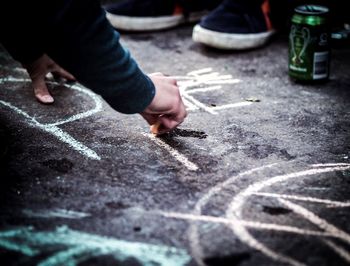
{"x": 58, "y": 71}
{"x": 165, "y": 78}
{"x": 150, "y": 118}
{"x": 167, "y": 109}
{"x": 164, "y": 125}
{"x": 41, "y": 92}
{"x": 38, "y": 70}
{"x": 167, "y": 123}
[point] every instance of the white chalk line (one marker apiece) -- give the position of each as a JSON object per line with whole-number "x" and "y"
{"x": 198, "y": 81}
{"x": 73, "y": 143}
{"x": 199, "y": 104}
{"x": 56, "y": 213}
{"x": 333, "y": 203}
{"x": 193, "y": 233}
{"x": 316, "y": 220}
{"x": 232, "y": 105}
{"x": 173, "y": 152}
{"x": 53, "y": 129}
{"x": 209, "y": 75}
{"x": 57, "y": 132}
{"x": 20, "y": 69}
{"x": 96, "y": 109}
{"x": 200, "y": 71}
{"x": 32, "y": 120}
{"x": 96, "y": 98}
{"x": 317, "y": 188}
{"x": 206, "y": 89}
{"x": 254, "y": 188}
{"x": 329, "y": 165}
{"x": 338, "y": 249}
{"x": 189, "y": 106}
{"x": 322, "y": 224}
{"x": 250, "y": 224}
{"x": 194, "y": 85}
{"x": 16, "y": 69}
{"x": 234, "y": 211}
{"x": 12, "y": 79}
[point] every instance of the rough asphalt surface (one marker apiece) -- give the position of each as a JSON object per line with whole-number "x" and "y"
{"x": 262, "y": 182}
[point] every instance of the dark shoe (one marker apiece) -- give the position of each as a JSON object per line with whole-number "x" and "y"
{"x": 148, "y": 15}
{"x": 236, "y": 25}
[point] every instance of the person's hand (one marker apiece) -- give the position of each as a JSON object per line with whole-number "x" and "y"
{"x": 167, "y": 110}
{"x": 38, "y": 70}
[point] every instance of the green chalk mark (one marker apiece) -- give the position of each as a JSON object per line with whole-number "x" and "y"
{"x": 57, "y": 213}
{"x": 16, "y": 232}
{"x": 14, "y": 247}
{"x": 80, "y": 246}
{"x": 64, "y": 257}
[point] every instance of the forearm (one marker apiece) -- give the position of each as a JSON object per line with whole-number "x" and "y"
{"x": 76, "y": 34}
{"x": 86, "y": 45}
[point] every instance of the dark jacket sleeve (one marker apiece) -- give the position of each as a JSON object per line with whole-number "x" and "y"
{"x": 77, "y": 35}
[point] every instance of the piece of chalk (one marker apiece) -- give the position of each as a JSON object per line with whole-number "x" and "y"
{"x": 155, "y": 128}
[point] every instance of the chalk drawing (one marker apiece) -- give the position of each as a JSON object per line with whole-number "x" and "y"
{"x": 53, "y": 128}
{"x": 80, "y": 246}
{"x": 239, "y": 226}
{"x": 173, "y": 152}
{"x": 198, "y": 81}
{"x": 56, "y": 213}
{"x": 331, "y": 203}
{"x": 202, "y": 81}
{"x": 234, "y": 211}
{"x": 248, "y": 224}
{"x": 193, "y": 232}
{"x": 339, "y": 250}
{"x": 16, "y": 69}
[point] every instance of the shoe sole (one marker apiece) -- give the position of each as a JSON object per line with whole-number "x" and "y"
{"x": 151, "y": 23}
{"x": 229, "y": 41}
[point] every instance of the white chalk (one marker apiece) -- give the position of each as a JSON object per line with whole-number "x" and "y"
{"x": 56, "y": 213}
{"x": 199, "y": 104}
{"x": 339, "y": 250}
{"x": 200, "y": 71}
{"x": 202, "y": 81}
{"x": 333, "y": 203}
{"x": 232, "y": 105}
{"x": 52, "y": 128}
{"x": 96, "y": 109}
{"x": 316, "y": 220}
{"x": 173, "y": 152}
{"x": 250, "y": 224}
{"x": 193, "y": 233}
{"x": 235, "y": 208}
{"x": 206, "y": 89}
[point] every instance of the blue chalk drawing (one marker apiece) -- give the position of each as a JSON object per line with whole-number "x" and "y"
{"x": 56, "y": 213}
{"x": 74, "y": 247}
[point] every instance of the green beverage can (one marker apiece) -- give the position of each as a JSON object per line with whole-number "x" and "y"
{"x": 309, "y": 43}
